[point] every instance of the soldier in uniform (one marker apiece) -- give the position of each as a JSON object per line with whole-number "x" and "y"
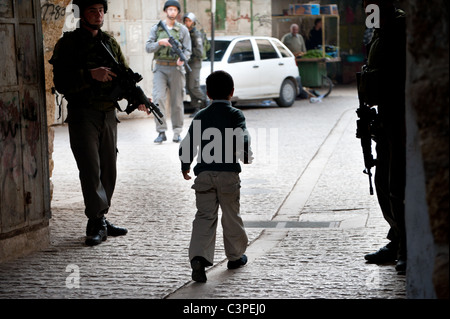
{"x": 198, "y": 98}
{"x": 386, "y": 76}
{"x": 82, "y": 73}
{"x": 169, "y": 72}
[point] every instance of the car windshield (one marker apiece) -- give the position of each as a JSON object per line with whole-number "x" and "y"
{"x": 220, "y": 46}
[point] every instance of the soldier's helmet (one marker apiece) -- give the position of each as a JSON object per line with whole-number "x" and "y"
{"x": 172, "y": 3}
{"x": 83, "y": 4}
{"x": 191, "y": 16}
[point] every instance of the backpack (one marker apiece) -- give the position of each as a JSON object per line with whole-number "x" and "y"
{"x": 206, "y": 44}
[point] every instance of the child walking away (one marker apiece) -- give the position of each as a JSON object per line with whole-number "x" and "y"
{"x": 218, "y": 139}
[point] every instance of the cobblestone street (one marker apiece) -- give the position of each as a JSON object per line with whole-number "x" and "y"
{"x": 305, "y": 203}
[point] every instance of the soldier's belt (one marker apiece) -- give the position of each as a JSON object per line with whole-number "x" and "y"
{"x": 167, "y": 63}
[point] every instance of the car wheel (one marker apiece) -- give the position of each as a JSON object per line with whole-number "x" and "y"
{"x": 288, "y": 92}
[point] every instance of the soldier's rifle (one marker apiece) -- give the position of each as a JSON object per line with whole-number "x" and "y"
{"x": 366, "y": 118}
{"x": 128, "y": 89}
{"x": 176, "y": 46}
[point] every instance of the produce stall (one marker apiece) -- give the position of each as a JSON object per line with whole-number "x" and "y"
{"x": 313, "y": 65}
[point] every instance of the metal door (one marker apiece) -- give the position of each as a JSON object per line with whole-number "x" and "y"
{"x": 24, "y": 175}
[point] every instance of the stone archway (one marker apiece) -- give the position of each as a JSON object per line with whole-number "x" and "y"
{"x": 427, "y": 106}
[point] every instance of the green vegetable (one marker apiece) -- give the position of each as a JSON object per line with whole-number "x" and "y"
{"x": 315, "y": 54}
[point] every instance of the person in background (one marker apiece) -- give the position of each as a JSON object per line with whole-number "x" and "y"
{"x": 294, "y": 41}
{"x": 198, "y": 98}
{"x": 315, "y": 35}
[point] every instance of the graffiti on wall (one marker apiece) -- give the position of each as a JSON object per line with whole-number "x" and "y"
{"x": 31, "y": 135}
{"x": 9, "y": 123}
{"x": 52, "y": 12}
{"x": 9, "y": 135}
{"x": 264, "y": 20}
{"x": 10, "y": 138}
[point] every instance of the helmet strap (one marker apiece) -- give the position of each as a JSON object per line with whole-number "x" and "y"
{"x": 91, "y": 26}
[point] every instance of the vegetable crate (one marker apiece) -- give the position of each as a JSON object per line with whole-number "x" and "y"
{"x": 312, "y": 72}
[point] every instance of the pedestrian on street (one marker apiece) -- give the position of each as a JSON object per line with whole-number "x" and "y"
{"x": 217, "y": 170}
{"x": 169, "y": 71}
{"x": 198, "y": 98}
{"x": 82, "y": 72}
{"x": 386, "y": 67}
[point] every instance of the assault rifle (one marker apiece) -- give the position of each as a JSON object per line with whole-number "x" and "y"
{"x": 176, "y": 46}
{"x": 127, "y": 88}
{"x": 364, "y": 131}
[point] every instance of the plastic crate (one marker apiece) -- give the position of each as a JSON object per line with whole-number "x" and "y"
{"x": 329, "y": 9}
{"x": 301, "y": 9}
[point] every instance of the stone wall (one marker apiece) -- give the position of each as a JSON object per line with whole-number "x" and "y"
{"x": 53, "y": 19}
{"x": 427, "y": 193}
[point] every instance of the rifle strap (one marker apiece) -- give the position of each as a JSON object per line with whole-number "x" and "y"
{"x": 109, "y": 49}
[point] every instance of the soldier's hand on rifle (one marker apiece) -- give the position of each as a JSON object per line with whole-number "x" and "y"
{"x": 179, "y": 62}
{"x": 165, "y": 42}
{"x": 102, "y": 74}
{"x": 143, "y": 108}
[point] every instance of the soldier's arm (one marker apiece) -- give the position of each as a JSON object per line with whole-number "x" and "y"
{"x": 152, "y": 45}
{"x": 69, "y": 77}
{"x": 185, "y": 39}
{"x": 197, "y": 50}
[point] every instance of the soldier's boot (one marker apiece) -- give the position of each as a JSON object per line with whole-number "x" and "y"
{"x": 96, "y": 231}
{"x": 161, "y": 138}
{"x": 114, "y": 230}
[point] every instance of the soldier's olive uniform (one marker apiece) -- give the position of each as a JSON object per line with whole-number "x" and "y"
{"x": 167, "y": 75}
{"x": 91, "y": 113}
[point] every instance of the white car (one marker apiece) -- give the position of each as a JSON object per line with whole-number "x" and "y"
{"x": 261, "y": 67}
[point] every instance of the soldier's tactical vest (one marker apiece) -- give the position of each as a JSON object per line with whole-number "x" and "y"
{"x": 165, "y": 53}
